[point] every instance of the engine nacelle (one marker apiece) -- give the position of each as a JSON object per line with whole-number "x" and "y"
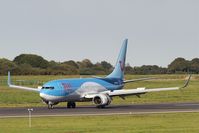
{"x": 101, "y": 100}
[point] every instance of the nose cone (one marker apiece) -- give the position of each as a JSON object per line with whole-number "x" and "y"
{"x": 52, "y": 98}
{"x": 43, "y": 96}
{"x": 46, "y": 97}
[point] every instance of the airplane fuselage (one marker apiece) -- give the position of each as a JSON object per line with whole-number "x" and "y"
{"x": 75, "y": 89}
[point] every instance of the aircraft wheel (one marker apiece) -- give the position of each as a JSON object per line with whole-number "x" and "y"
{"x": 71, "y": 105}
{"x": 101, "y": 106}
{"x": 50, "y": 106}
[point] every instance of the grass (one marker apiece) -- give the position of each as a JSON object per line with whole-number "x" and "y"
{"x": 150, "y": 123}
{"x": 153, "y": 123}
{"x": 12, "y": 97}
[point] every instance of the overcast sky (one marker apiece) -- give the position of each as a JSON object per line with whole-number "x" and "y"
{"x": 60, "y": 30}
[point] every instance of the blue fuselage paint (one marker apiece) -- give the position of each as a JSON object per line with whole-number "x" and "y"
{"x": 73, "y": 89}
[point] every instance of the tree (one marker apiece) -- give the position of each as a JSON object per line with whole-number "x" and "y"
{"x": 149, "y": 69}
{"x": 6, "y": 65}
{"x": 106, "y": 65}
{"x": 31, "y": 59}
{"x": 72, "y": 64}
{"x": 86, "y": 63}
{"x": 194, "y": 65}
{"x": 86, "y": 67}
{"x": 179, "y": 65}
{"x": 98, "y": 69}
{"x": 27, "y": 69}
{"x": 129, "y": 69}
{"x": 29, "y": 64}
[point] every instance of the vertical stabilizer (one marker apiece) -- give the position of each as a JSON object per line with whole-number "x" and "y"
{"x": 118, "y": 71}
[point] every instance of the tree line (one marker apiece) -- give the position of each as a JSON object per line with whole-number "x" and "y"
{"x": 30, "y": 64}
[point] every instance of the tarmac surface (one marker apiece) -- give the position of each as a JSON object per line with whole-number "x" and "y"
{"x": 109, "y": 110}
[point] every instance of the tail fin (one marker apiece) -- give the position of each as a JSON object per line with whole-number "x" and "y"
{"x": 118, "y": 71}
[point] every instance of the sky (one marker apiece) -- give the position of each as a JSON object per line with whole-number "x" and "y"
{"x": 158, "y": 30}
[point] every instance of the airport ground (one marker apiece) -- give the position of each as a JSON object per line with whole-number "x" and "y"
{"x": 134, "y": 123}
{"x": 19, "y": 98}
{"x": 152, "y": 123}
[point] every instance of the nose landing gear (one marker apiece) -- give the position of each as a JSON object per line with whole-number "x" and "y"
{"x": 50, "y": 106}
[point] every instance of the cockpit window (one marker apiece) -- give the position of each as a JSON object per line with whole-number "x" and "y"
{"x": 48, "y": 88}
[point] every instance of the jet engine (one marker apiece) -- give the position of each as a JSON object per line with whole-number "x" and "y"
{"x": 101, "y": 100}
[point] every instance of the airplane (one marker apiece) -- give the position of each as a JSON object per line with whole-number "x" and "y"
{"x": 100, "y": 90}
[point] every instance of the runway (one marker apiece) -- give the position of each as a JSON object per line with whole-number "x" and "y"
{"x": 109, "y": 110}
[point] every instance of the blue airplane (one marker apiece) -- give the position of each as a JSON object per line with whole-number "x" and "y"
{"x": 99, "y": 90}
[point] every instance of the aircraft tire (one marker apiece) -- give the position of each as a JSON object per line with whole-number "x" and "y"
{"x": 50, "y": 106}
{"x": 71, "y": 105}
{"x": 101, "y": 106}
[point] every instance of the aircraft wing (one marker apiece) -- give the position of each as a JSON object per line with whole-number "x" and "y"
{"x": 139, "y": 91}
{"x": 20, "y": 87}
{"x": 122, "y": 93}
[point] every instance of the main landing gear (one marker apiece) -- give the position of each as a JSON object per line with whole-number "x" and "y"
{"x": 71, "y": 105}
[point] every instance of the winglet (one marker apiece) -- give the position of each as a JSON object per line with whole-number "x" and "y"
{"x": 9, "y": 79}
{"x": 187, "y": 82}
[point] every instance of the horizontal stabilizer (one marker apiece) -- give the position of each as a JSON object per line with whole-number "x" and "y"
{"x": 136, "y": 80}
